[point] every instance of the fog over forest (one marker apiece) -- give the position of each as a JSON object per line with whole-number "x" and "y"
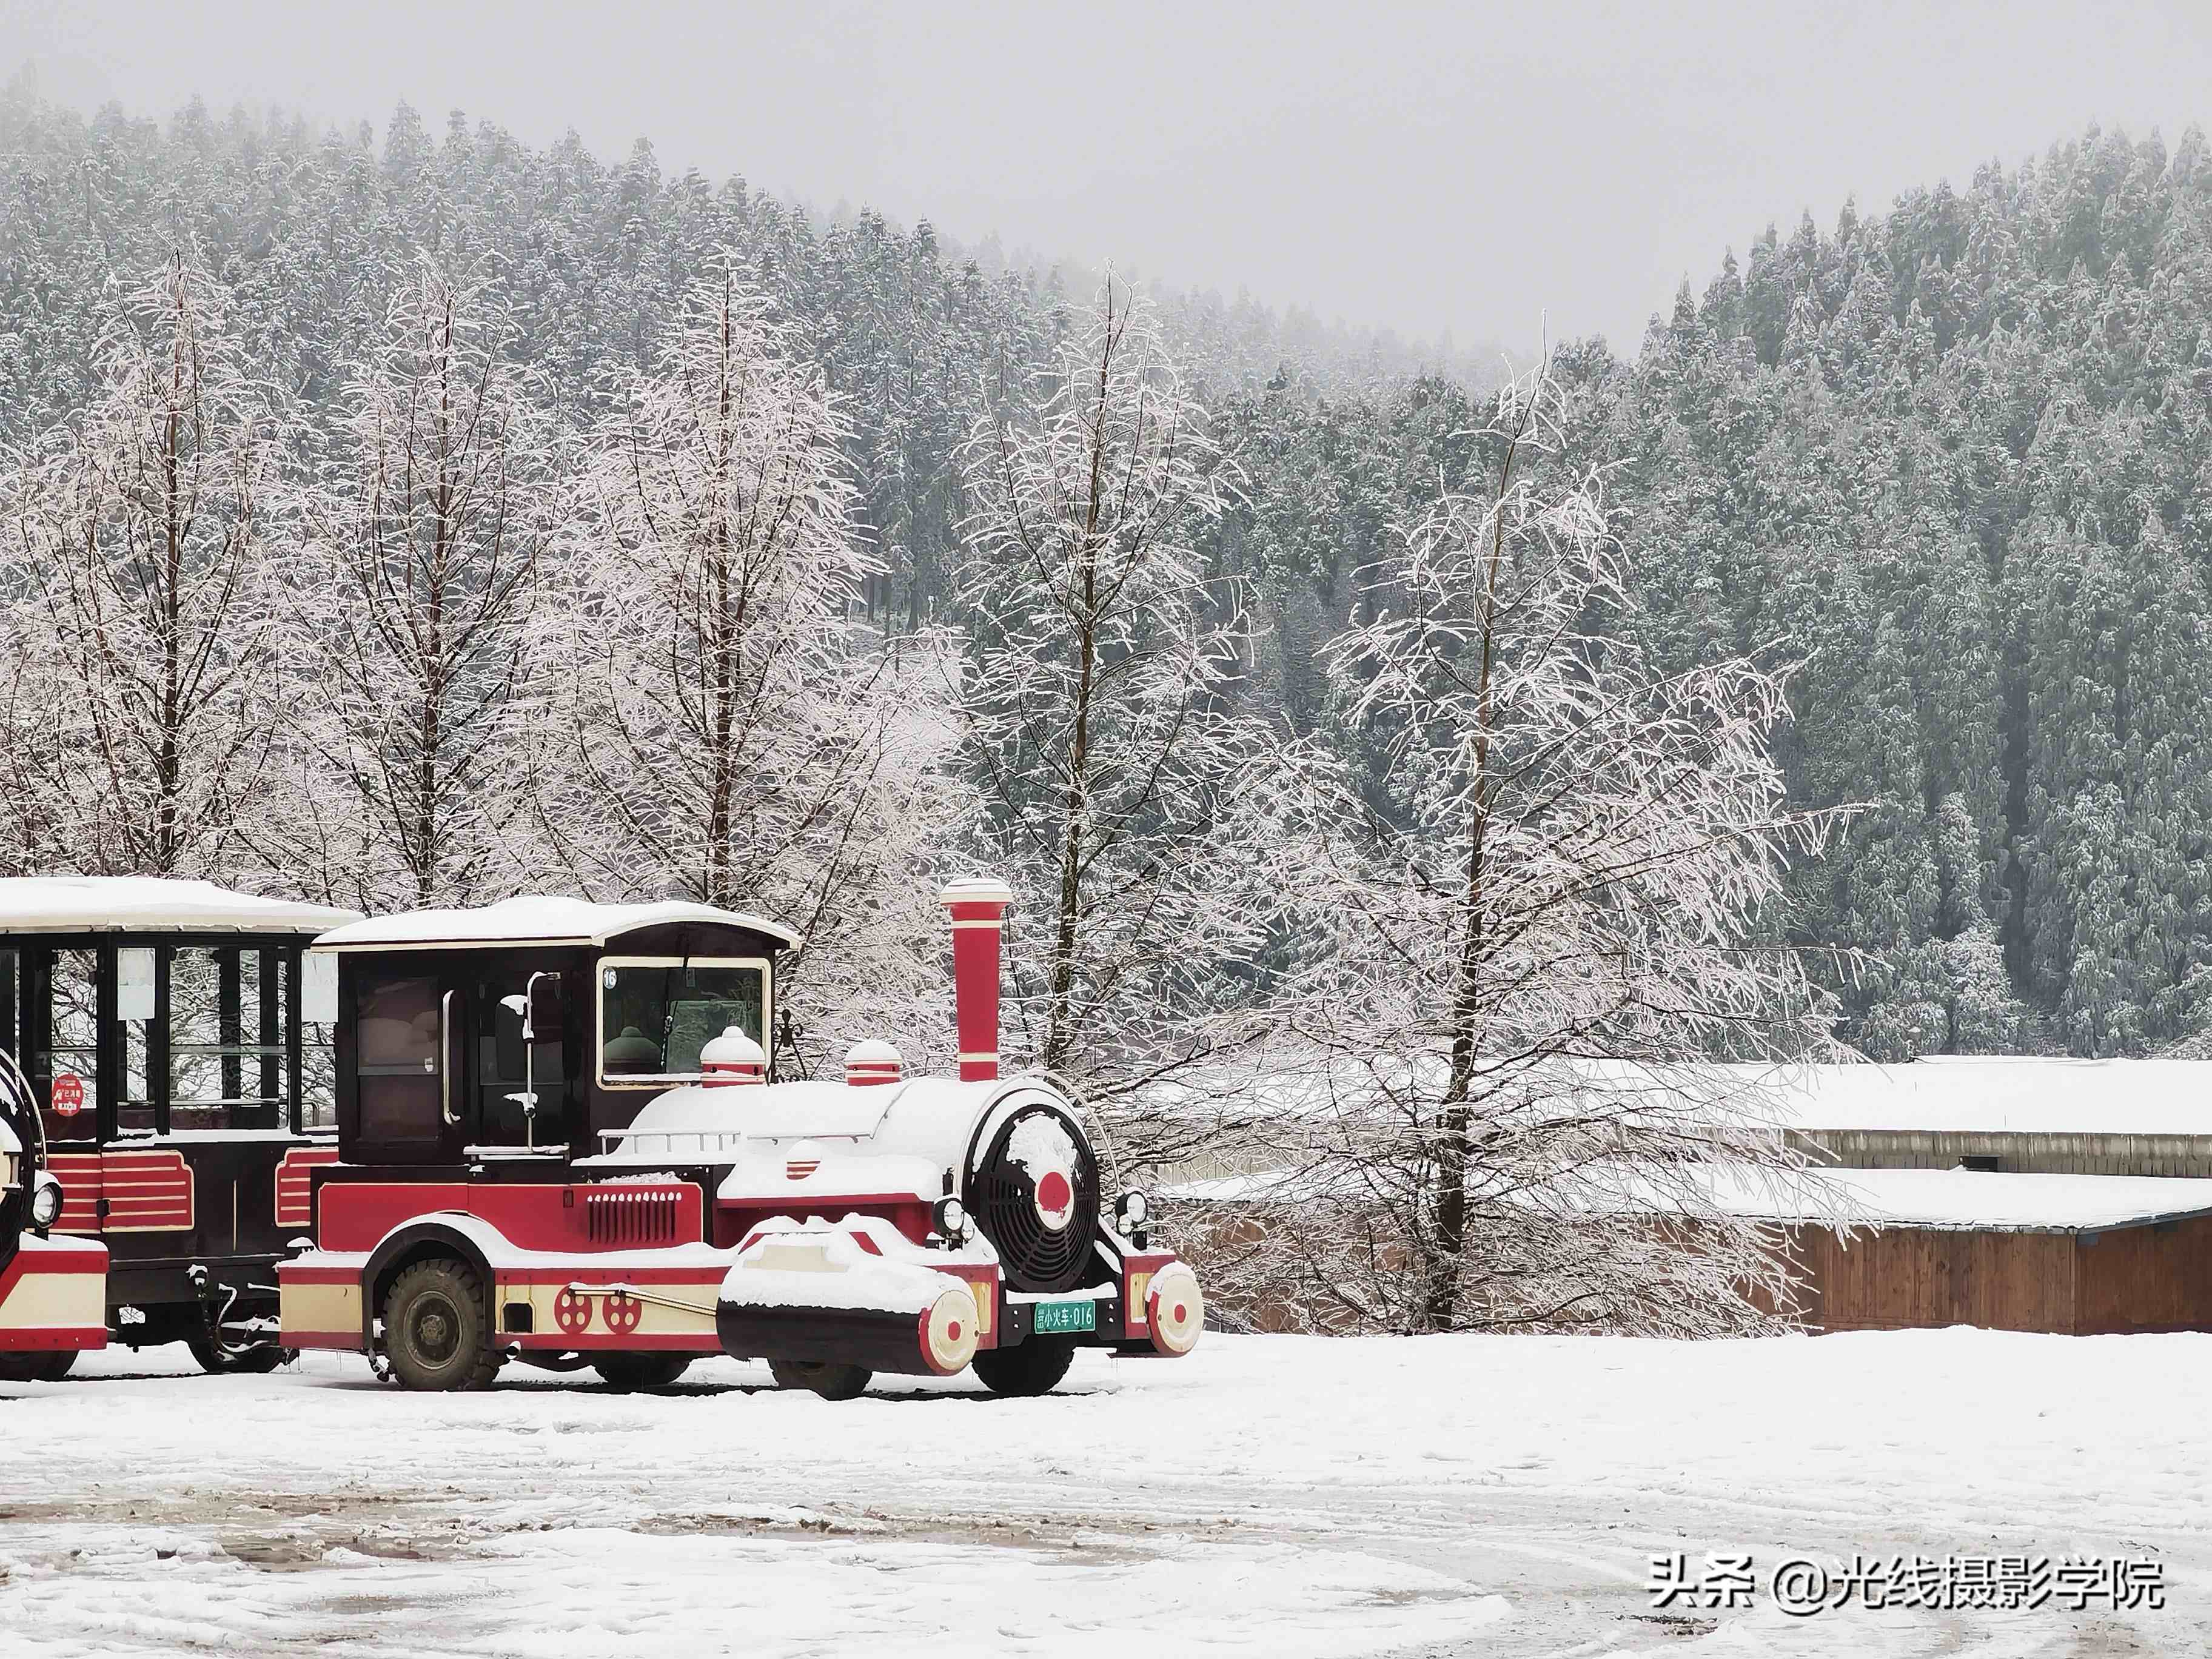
{"x": 1948, "y": 457}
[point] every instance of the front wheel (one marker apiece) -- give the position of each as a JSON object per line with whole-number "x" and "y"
{"x": 830, "y": 1382}
{"x": 50, "y": 1367}
{"x": 632, "y": 1372}
{"x": 435, "y": 1327}
{"x": 1031, "y": 1368}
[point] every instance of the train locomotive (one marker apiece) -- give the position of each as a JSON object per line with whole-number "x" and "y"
{"x": 560, "y": 1142}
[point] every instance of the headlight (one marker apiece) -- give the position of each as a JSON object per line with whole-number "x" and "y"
{"x": 1130, "y": 1212}
{"x": 46, "y": 1202}
{"x": 951, "y": 1218}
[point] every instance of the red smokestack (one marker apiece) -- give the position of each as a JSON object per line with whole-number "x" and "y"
{"x": 977, "y": 904}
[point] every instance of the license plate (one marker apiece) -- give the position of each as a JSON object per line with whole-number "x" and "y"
{"x": 1053, "y": 1317}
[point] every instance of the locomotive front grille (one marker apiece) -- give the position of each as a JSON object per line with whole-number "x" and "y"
{"x": 622, "y": 1216}
{"x": 1003, "y": 1202}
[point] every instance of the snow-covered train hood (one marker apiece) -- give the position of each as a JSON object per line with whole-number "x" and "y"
{"x": 932, "y": 1120}
{"x": 833, "y": 1176}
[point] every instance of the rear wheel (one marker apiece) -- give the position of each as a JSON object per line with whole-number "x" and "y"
{"x": 640, "y": 1371}
{"x": 1031, "y": 1368}
{"x": 37, "y": 1367}
{"x": 830, "y": 1382}
{"x": 435, "y": 1327}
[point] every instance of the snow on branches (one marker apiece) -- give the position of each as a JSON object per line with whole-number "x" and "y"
{"x": 420, "y": 546}
{"x": 140, "y": 609}
{"x": 712, "y": 718}
{"x": 1563, "y": 861}
{"x": 1102, "y": 731}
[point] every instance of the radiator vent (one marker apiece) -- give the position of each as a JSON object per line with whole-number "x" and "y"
{"x": 626, "y": 1215}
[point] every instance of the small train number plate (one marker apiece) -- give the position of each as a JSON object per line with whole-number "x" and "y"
{"x": 1052, "y": 1318}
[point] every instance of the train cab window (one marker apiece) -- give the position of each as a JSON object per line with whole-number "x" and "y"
{"x": 657, "y": 1013}
{"x": 399, "y": 1059}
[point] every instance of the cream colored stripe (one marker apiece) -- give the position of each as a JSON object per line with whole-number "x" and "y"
{"x": 46, "y": 1299}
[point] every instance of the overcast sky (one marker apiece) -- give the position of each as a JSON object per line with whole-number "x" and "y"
{"x": 1422, "y": 168}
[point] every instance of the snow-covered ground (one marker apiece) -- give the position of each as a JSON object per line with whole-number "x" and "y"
{"x": 1271, "y": 1496}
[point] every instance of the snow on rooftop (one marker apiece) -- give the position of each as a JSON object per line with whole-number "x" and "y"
{"x": 538, "y": 919}
{"x": 86, "y": 904}
{"x": 1951, "y": 1200}
{"x": 1957, "y": 1199}
{"x": 2019, "y": 1096}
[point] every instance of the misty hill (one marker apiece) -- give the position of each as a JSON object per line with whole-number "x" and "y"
{"x": 1953, "y": 455}
{"x": 1956, "y": 458}
{"x": 1957, "y": 455}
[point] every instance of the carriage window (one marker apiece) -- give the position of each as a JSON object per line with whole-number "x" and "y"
{"x": 656, "y": 1015}
{"x": 226, "y": 1043}
{"x": 399, "y": 1059}
{"x": 73, "y": 1055}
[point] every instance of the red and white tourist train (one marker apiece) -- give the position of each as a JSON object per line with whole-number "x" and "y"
{"x": 559, "y": 1141}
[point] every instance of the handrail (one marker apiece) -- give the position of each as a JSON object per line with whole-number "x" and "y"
{"x": 446, "y": 1059}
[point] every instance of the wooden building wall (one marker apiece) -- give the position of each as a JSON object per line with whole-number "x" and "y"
{"x": 2085, "y": 1152}
{"x": 2129, "y": 1279}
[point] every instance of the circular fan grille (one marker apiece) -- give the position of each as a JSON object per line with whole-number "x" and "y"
{"x": 1003, "y": 1199}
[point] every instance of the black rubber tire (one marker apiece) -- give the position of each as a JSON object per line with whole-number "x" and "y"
{"x": 256, "y": 1361}
{"x": 436, "y": 1328}
{"x": 48, "y": 1367}
{"x": 630, "y": 1371}
{"x": 1033, "y": 1368}
{"x": 830, "y": 1382}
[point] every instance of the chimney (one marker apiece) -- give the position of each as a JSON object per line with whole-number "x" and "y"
{"x": 732, "y": 1059}
{"x": 977, "y": 904}
{"x": 871, "y": 1061}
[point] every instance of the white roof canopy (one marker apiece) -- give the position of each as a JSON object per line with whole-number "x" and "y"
{"x": 124, "y": 904}
{"x": 1966, "y": 1201}
{"x": 1962, "y": 1199}
{"x": 535, "y": 920}
{"x": 2003, "y": 1095}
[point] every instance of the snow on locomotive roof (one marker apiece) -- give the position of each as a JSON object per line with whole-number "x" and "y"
{"x": 541, "y": 919}
{"x": 119, "y": 905}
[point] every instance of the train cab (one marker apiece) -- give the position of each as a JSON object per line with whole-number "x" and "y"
{"x": 509, "y": 1038}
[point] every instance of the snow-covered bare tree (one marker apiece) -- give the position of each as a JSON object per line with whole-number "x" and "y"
{"x": 1565, "y": 874}
{"x": 421, "y": 539}
{"x": 141, "y": 603}
{"x": 716, "y": 720}
{"x": 1102, "y": 732}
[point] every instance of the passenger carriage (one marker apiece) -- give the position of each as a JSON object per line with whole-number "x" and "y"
{"x": 159, "y": 1026}
{"x": 559, "y": 1142}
